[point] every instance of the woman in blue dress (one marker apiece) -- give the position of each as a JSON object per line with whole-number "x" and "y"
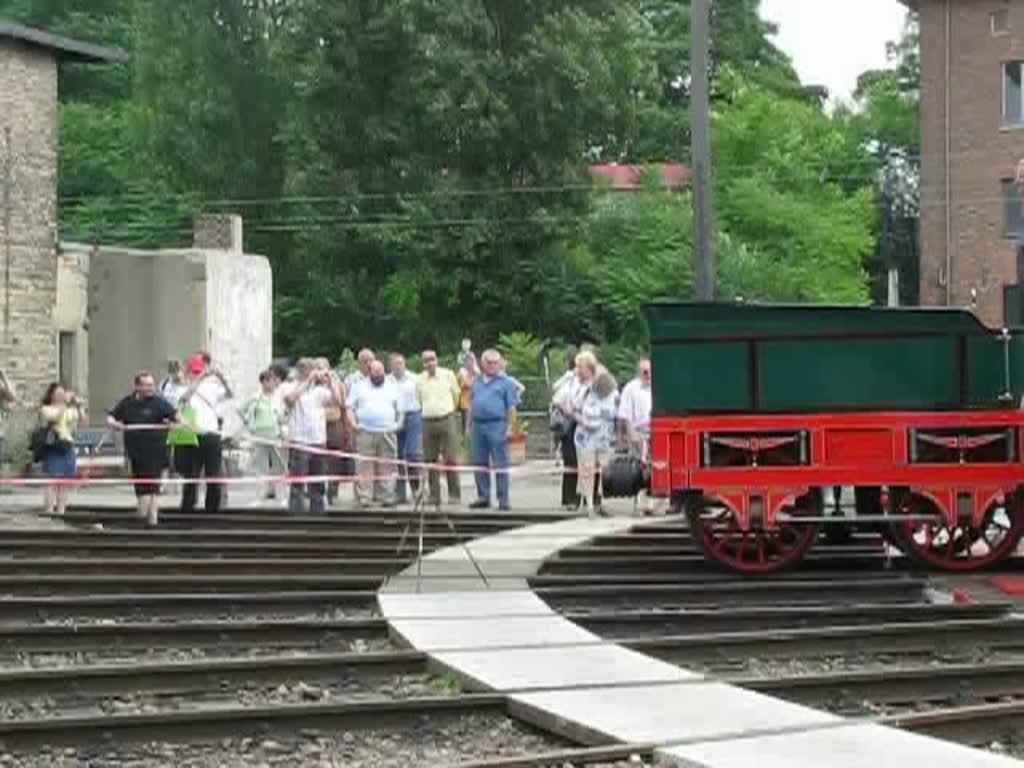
{"x": 59, "y": 413}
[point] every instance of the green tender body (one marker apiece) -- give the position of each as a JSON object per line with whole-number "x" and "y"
{"x": 747, "y": 358}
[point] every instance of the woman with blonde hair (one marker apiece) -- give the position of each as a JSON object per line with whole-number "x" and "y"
{"x": 59, "y": 414}
{"x": 595, "y": 430}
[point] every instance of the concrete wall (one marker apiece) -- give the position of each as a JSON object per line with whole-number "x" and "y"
{"x": 146, "y": 307}
{"x": 28, "y": 216}
{"x": 141, "y": 313}
{"x": 239, "y": 301}
{"x": 982, "y": 153}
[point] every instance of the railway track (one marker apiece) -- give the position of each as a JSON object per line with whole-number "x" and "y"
{"x": 261, "y": 601}
{"x": 922, "y": 685}
{"x": 218, "y": 721}
{"x": 865, "y": 643}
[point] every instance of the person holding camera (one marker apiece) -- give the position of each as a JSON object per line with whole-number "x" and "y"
{"x": 198, "y": 406}
{"x": 59, "y": 415}
{"x": 306, "y": 401}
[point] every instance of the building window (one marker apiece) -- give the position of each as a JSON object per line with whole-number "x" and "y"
{"x": 66, "y": 371}
{"x": 1000, "y": 22}
{"x": 1013, "y": 210}
{"x": 1013, "y": 95}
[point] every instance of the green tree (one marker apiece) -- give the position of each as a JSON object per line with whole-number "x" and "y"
{"x": 887, "y": 124}
{"x": 786, "y": 187}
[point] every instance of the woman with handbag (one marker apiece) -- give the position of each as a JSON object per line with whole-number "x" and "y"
{"x": 595, "y": 436}
{"x": 568, "y": 399}
{"x": 58, "y": 415}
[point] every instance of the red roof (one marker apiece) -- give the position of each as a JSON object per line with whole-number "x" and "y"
{"x": 628, "y": 176}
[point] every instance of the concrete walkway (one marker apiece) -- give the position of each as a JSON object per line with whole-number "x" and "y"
{"x": 502, "y": 637}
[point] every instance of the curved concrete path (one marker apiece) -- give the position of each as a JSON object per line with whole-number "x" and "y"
{"x": 502, "y": 637}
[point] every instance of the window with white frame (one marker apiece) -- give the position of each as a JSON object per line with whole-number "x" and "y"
{"x": 1013, "y": 94}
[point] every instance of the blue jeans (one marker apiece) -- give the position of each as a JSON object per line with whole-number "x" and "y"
{"x": 410, "y": 440}
{"x": 490, "y": 447}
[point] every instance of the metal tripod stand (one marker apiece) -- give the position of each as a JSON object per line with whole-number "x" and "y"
{"x": 419, "y": 515}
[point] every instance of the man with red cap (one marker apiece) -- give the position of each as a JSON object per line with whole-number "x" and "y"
{"x": 206, "y": 391}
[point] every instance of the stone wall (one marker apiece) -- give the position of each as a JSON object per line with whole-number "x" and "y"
{"x": 28, "y": 215}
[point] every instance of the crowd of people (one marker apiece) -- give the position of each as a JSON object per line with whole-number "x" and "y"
{"x": 312, "y": 427}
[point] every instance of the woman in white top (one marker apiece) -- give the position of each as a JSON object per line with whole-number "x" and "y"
{"x": 571, "y": 399}
{"x": 595, "y": 436}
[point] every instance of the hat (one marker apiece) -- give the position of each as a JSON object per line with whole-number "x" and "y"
{"x": 196, "y": 364}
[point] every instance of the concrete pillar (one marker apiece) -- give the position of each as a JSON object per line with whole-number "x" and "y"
{"x": 218, "y": 232}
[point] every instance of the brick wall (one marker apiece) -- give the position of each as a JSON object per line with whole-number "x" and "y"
{"x": 28, "y": 217}
{"x": 982, "y": 152}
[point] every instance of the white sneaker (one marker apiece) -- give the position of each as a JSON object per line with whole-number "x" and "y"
{"x": 152, "y": 518}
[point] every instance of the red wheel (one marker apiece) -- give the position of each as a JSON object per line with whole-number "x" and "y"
{"x": 963, "y": 547}
{"x": 717, "y": 531}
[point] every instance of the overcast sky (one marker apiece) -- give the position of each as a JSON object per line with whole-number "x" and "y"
{"x": 832, "y": 41}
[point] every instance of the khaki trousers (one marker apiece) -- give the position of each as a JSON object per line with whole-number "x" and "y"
{"x": 441, "y": 439}
{"x": 375, "y": 480}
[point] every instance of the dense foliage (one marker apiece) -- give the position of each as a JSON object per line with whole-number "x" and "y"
{"x": 416, "y": 170}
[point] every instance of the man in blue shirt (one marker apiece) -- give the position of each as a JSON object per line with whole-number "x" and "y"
{"x": 493, "y": 398}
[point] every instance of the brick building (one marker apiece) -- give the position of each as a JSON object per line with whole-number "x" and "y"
{"x": 29, "y": 63}
{"x": 972, "y": 118}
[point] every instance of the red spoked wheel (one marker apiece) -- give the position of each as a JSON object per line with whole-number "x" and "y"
{"x": 717, "y": 532}
{"x": 963, "y": 547}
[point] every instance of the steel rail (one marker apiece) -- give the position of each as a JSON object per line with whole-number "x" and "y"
{"x": 377, "y": 568}
{"x": 177, "y": 520}
{"x": 569, "y": 757}
{"x": 932, "y": 637}
{"x": 304, "y": 632}
{"x": 145, "y": 546}
{"x": 813, "y": 571}
{"x": 15, "y": 538}
{"x": 667, "y": 566}
{"x": 810, "y": 591}
{"x": 199, "y": 723}
{"x": 96, "y": 583}
{"x": 19, "y": 608}
{"x": 372, "y": 516}
{"x": 975, "y": 724}
{"x": 668, "y": 569}
{"x": 915, "y": 684}
{"x": 776, "y": 617}
{"x": 206, "y": 674}
{"x": 596, "y": 548}
{"x": 61, "y": 638}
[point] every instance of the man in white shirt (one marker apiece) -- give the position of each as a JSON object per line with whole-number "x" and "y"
{"x": 635, "y": 409}
{"x": 362, "y": 373}
{"x": 410, "y": 433}
{"x": 635, "y": 417}
{"x": 306, "y": 400}
{"x": 206, "y": 391}
{"x": 374, "y": 415}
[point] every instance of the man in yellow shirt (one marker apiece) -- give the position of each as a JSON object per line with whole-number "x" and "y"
{"x": 439, "y": 392}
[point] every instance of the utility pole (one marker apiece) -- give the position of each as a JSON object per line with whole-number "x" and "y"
{"x": 703, "y": 204}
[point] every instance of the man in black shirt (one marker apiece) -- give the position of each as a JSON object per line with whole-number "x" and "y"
{"x": 142, "y": 416}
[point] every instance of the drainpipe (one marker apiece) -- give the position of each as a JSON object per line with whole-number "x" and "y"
{"x": 949, "y": 145}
